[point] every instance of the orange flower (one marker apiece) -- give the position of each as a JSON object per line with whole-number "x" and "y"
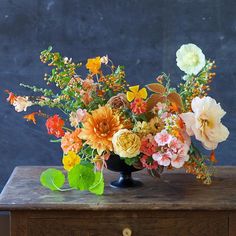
{"x": 99, "y": 128}
{"x": 54, "y": 126}
{"x": 213, "y": 157}
{"x": 94, "y": 65}
{"x": 71, "y": 142}
{"x": 31, "y": 117}
{"x": 138, "y": 106}
{"x": 11, "y": 98}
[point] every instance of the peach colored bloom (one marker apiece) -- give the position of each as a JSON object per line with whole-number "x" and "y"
{"x": 163, "y": 138}
{"x": 71, "y": 141}
{"x": 163, "y": 159}
{"x": 205, "y": 122}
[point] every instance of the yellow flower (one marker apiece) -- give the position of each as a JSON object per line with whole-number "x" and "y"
{"x": 94, "y": 65}
{"x": 70, "y": 160}
{"x": 136, "y": 93}
{"x": 126, "y": 143}
{"x": 141, "y": 128}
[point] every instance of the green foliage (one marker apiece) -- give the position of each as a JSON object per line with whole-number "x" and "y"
{"x": 131, "y": 161}
{"x": 52, "y": 179}
{"x": 98, "y": 186}
{"x": 82, "y": 177}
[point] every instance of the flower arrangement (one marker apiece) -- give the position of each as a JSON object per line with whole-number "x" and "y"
{"x": 102, "y": 115}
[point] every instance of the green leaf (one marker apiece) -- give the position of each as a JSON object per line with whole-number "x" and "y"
{"x": 98, "y": 185}
{"x": 131, "y": 161}
{"x": 52, "y": 179}
{"x": 81, "y": 177}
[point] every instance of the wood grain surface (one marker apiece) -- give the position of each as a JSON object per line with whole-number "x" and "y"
{"x": 174, "y": 191}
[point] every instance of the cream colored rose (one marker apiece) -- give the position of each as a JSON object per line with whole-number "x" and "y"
{"x": 126, "y": 143}
{"x": 205, "y": 122}
{"x": 190, "y": 59}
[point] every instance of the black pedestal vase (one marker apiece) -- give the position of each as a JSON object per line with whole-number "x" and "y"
{"x": 115, "y": 163}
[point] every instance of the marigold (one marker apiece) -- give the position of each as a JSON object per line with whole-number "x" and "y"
{"x": 70, "y": 160}
{"x": 54, "y": 126}
{"x": 71, "y": 141}
{"x": 94, "y": 65}
{"x": 99, "y": 128}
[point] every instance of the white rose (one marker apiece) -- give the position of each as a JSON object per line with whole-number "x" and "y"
{"x": 205, "y": 122}
{"x": 190, "y": 59}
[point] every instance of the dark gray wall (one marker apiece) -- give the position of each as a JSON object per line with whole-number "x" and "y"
{"x": 143, "y": 35}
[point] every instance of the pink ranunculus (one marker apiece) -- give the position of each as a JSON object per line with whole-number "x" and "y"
{"x": 163, "y": 159}
{"x": 163, "y": 138}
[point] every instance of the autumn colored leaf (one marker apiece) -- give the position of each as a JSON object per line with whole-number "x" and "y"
{"x": 156, "y": 88}
{"x": 175, "y": 101}
{"x": 154, "y": 99}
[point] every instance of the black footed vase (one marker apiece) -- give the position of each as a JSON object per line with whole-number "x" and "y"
{"x": 115, "y": 163}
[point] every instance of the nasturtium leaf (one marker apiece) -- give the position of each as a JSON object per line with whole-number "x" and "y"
{"x": 81, "y": 177}
{"x": 98, "y": 185}
{"x": 52, "y": 179}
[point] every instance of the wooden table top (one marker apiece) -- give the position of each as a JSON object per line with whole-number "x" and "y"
{"x": 174, "y": 191}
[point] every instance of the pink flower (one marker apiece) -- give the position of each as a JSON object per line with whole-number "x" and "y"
{"x": 163, "y": 138}
{"x": 175, "y": 144}
{"x": 148, "y": 162}
{"x": 181, "y": 157}
{"x": 148, "y": 145}
{"x": 163, "y": 159}
{"x": 81, "y": 114}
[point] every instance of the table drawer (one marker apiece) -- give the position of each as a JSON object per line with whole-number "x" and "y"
{"x": 113, "y": 223}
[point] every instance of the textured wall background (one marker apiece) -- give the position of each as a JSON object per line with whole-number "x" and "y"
{"x": 143, "y": 35}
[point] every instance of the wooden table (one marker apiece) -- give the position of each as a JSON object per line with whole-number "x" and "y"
{"x": 176, "y": 205}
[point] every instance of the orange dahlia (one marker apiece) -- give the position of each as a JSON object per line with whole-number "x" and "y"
{"x": 99, "y": 128}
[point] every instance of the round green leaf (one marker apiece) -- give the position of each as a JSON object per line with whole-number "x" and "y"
{"x": 52, "y": 179}
{"x": 81, "y": 177}
{"x": 98, "y": 185}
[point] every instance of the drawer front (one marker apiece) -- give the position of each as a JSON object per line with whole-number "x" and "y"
{"x": 128, "y": 224}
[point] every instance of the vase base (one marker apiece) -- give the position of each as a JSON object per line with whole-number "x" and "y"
{"x": 130, "y": 183}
